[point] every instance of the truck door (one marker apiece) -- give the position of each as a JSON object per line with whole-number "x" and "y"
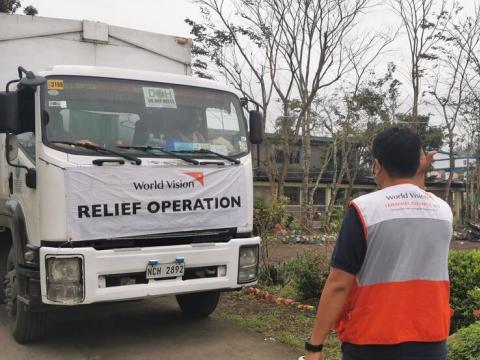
{"x": 17, "y": 169}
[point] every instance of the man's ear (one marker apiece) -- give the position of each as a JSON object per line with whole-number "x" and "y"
{"x": 377, "y": 167}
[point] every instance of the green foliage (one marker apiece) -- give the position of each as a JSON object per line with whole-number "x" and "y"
{"x": 30, "y": 10}
{"x": 432, "y": 136}
{"x": 464, "y": 268}
{"x": 210, "y": 42}
{"x": 266, "y": 216}
{"x": 377, "y": 96}
{"x": 9, "y": 6}
{"x": 302, "y": 277}
{"x": 283, "y": 323}
{"x": 474, "y": 297}
{"x": 272, "y": 274}
{"x": 292, "y": 223}
{"x": 308, "y": 274}
{"x": 335, "y": 222}
{"x": 465, "y": 344}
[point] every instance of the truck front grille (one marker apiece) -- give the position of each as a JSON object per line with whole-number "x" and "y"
{"x": 168, "y": 239}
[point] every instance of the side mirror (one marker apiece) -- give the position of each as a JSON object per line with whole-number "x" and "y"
{"x": 19, "y": 106}
{"x": 32, "y": 80}
{"x": 256, "y": 127}
{"x": 9, "y": 119}
{"x": 11, "y": 147}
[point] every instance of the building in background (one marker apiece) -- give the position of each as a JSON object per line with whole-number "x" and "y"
{"x": 363, "y": 183}
{"x": 464, "y": 163}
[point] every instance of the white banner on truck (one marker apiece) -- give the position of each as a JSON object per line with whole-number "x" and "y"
{"x": 108, "y": 202}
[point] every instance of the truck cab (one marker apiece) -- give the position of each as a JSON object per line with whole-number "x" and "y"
{"x": 119, "y": 184}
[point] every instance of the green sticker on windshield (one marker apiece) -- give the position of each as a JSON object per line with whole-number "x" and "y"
{"x": 159, "y": 97}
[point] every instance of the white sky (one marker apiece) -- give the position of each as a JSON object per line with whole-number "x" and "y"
{"x": 162, "y": 16}
{"x": 167, "y": 16}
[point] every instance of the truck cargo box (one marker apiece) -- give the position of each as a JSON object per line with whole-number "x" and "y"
{"x": 38, "y": 43}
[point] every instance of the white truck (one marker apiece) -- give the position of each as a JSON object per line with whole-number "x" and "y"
{"x": 121, "y": 176}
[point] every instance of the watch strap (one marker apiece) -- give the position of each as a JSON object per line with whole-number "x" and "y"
{"x": 313, "y": 348}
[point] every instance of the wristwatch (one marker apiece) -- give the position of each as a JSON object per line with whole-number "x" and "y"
{"x": 313, "y": 348}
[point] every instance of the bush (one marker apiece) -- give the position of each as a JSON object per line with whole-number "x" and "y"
{"x": 292, "y": 223}
{"x": 308, "y": 274}
{"x": 464, "y": 269}
{"x": 465, "y": 344}
{"x": 266, "y": 216}
{"x": 302, "y": 277}
{"x": 272, "y": 275}
{"x": 335, "y": 220}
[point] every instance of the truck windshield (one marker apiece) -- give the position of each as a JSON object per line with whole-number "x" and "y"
{"x": 115, "y": 113}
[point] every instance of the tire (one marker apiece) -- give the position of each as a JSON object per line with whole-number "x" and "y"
{"x": 2, "y": 288}
{"x": 198, "y": 305}
{"x": 5, "y": 246}
{"x": 26, "y": 326}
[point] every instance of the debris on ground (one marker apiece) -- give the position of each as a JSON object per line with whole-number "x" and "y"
{"x": 266, "y": 296}
{"x": 286, "y": 237}
{"x": 473, "y": 231}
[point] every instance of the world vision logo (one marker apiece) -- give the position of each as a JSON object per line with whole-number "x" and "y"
{"x": 197, "y": 175}
{"x": 172, "y": 184}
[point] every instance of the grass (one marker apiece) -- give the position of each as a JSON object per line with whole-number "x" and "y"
{"x": 285, "y": 324}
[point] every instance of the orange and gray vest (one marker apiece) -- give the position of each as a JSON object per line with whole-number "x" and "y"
{"x": 402, "y": 291}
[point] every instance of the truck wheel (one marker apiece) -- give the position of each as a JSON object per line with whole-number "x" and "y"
{"x": 27, "y": 326}
{"x": 198, "y": 305}
{"x": 5, "y": 245}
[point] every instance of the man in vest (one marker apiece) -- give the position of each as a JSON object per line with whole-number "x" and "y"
{"x": 387, "y": 294}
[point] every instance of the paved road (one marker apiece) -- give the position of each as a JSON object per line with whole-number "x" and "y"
{"x": 148, "y": 329}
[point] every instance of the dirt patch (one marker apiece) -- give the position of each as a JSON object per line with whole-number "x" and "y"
{"x": 465, "y": 245}
{"x": 282, "y": 252}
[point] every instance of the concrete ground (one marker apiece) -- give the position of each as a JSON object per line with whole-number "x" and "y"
{"x": 147, "y": 329}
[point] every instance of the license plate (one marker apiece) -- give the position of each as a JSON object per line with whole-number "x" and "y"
{"x": 159, "y": 271}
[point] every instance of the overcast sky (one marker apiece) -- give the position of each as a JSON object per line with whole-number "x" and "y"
{"x": 167, "y": 16}
{"x": 162, "y": 16}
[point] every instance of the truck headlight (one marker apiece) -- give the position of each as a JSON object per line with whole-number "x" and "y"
{"x": 247, "y": 264}
{"x": 65, "y": 279}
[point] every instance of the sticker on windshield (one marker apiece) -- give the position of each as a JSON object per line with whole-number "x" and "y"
{"x": 159, "y": 97}
{"x": 53, "y": 84}
{"x": 61, "y": 104}
{"x": 243, "y": 144}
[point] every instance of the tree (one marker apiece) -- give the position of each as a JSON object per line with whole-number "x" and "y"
{"x": 9, "y": 6}
{"x": 30, "y": 10}
{"x": 471, "y": 126}
{"x": 449, "y": 88}
{"x": 467, "y": 34}
{"x": 241, "y": 48}
{"x": 352, "y": 120}
{"x": 432, "y": 136}
{"x": 316, "y": 38}
{"x": 424, "y": 27}
{"x": 303, "y": 40}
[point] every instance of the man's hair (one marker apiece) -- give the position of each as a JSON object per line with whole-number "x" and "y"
{"x": 398, "y": 151}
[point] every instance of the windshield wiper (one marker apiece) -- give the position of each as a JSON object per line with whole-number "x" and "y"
{"x": 206, "y": 151}
{"x": 150, "y": 149}
{"x": 97, "y": 148}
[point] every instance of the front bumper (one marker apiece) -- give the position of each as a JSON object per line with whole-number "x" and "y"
{"x": 134, "y": 260}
